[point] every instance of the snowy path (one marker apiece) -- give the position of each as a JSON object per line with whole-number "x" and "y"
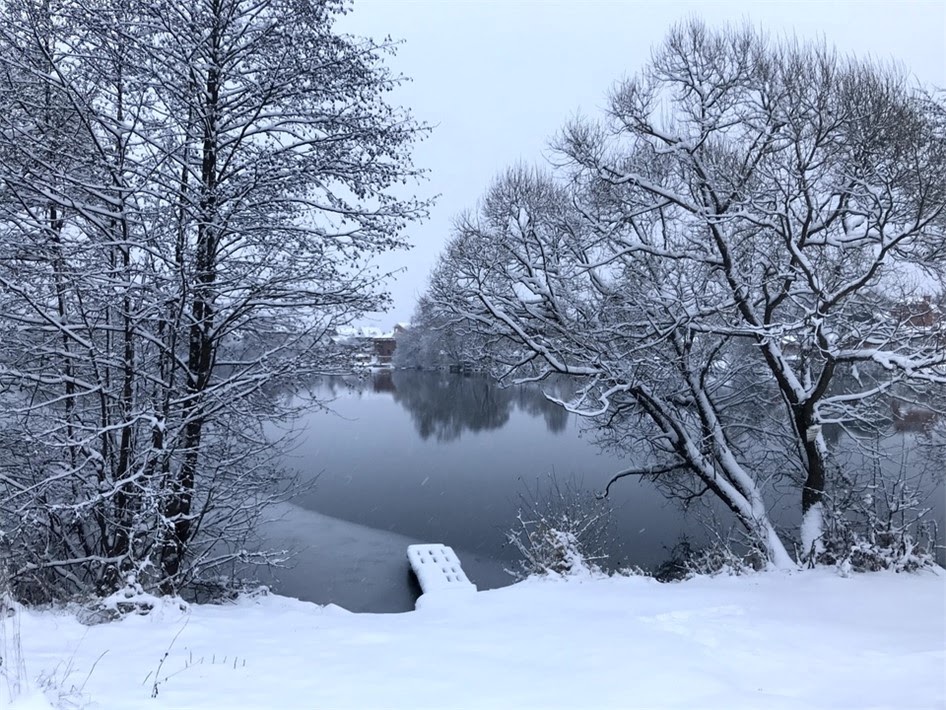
{"x": 809, "y": 640}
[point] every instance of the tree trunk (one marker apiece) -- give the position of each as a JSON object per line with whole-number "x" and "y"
{"x": 200, "y": 356}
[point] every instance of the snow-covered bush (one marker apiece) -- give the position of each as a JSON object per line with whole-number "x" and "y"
{"x": 718, "y": 557}
{"x": 547, "y": 550}
{"x": 881, "y": 523}
{"x": 132, "y": 598}
{"x": 560, "y": 530}
{"x": 877, "y": 545}
{"x": 223, "y": 589}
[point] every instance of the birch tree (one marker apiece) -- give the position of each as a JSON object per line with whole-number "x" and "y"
{"x": 727, "y": 263}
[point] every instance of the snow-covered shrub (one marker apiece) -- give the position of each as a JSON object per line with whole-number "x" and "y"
{"x": 874, "y": 545}
{"x": 560, "y": 530}
{"x": 130, "y": 599}
{"x": 718, "y": 557}
{"x": 877, "y": 524}
{"x": 222, "y": 589}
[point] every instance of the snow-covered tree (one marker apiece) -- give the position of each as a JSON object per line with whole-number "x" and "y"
{"x": 728, "y": 263}
{"x": 190, "y": 195}
{"x": 433, "y": 341}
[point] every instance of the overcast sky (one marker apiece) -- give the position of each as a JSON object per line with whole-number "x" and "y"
{"x": 497, "y": 78}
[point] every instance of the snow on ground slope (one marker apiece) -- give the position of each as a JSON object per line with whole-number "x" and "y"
{"x": 772, "y": 640}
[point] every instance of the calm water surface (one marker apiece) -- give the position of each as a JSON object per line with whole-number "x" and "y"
{"x": 409, "y": 457}
{"x": 436, "y": 457}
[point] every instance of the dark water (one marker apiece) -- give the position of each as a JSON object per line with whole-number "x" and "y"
{"x": 434, "y": 457}
{"x": 408, "y": 457}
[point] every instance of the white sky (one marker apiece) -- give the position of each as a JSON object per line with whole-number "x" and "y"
{"x": 498, "y": 78}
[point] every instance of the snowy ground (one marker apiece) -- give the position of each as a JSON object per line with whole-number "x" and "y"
{"x": 773, "y": 640}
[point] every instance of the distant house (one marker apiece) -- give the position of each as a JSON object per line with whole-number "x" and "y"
{"x": 384, "y": 347}
{"x": 386, "y": 343}
{"x": 370, "y": 345}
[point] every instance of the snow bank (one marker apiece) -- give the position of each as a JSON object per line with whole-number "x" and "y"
{"x": 774, "y": 640}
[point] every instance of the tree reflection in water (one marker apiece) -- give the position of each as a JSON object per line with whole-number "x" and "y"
{"x": 444, "y": 405}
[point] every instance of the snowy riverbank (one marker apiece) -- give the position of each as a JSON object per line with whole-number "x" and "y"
{"x": 772, "y": 640}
